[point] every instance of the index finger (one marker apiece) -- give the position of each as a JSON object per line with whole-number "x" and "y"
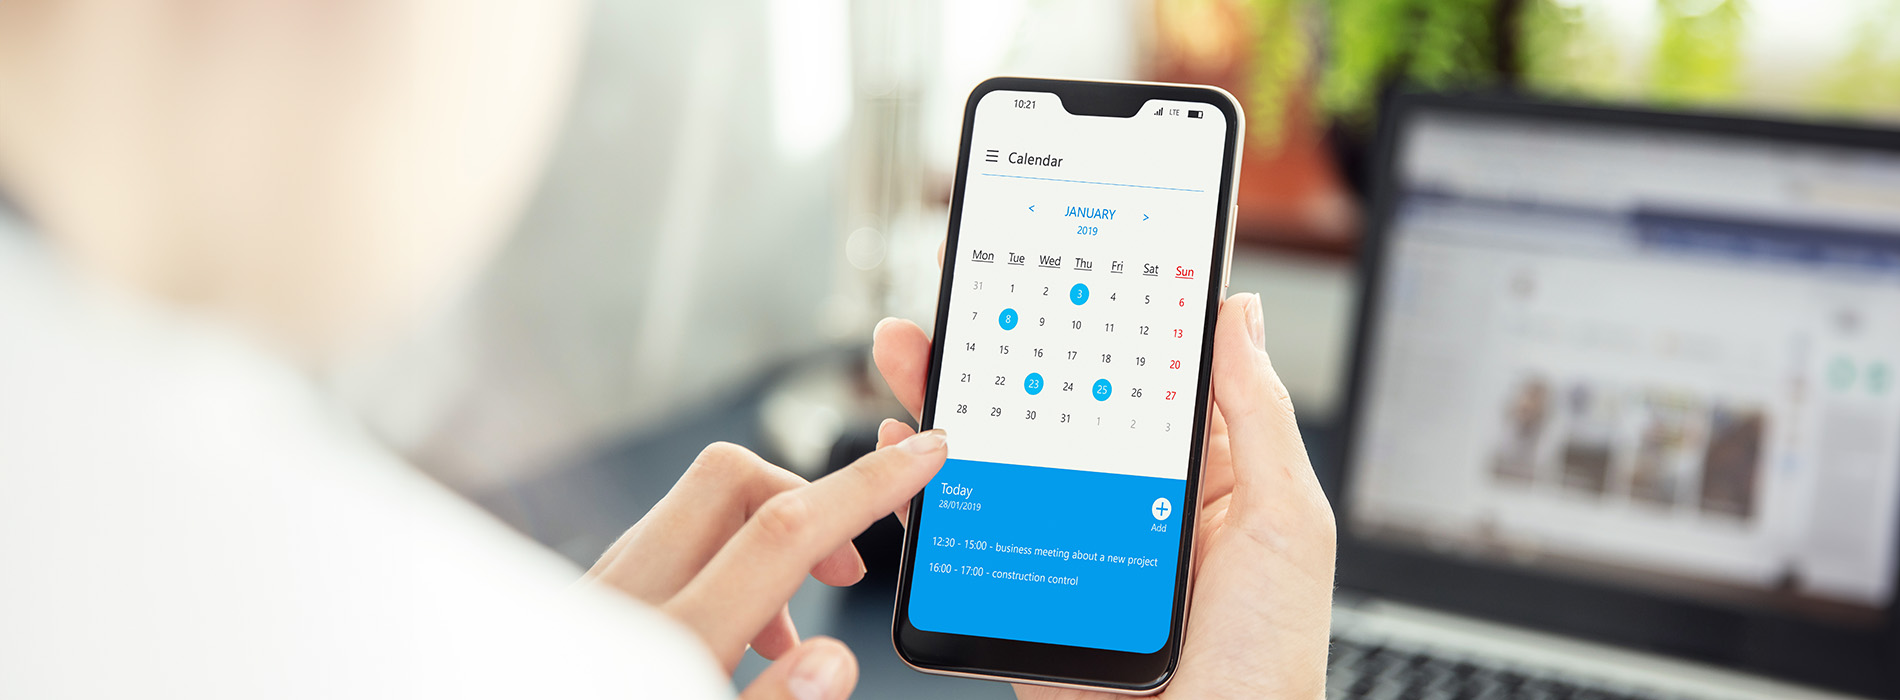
{"x": 746, "y": 583}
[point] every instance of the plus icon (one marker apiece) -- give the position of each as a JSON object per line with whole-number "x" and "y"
{"x": 1162, "y": 508}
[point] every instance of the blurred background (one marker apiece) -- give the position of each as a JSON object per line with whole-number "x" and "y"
{"x": 741, "y": 189}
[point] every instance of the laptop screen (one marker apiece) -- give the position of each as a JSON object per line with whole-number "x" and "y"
{"x": 1656, "y": 357}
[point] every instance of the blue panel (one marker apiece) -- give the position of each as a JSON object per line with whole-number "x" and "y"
{"x": 1056, "y": 556}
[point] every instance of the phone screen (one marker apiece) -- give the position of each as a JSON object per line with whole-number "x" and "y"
{"x": 1070, "y": 373}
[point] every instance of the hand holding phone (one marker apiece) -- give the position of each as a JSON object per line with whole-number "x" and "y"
{"x": 1089, "y": 239}
{"x": 1262, "y": 588}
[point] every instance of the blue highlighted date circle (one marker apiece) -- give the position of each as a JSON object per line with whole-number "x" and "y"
{"x": 1007, "y": 319}
{"x": 1079, "y": 294}
{"x": 1103, "y": 390}
{"x": 1033, "y": 383}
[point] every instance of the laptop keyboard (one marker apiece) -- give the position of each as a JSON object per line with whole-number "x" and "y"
{"x": 1377, "y": 672}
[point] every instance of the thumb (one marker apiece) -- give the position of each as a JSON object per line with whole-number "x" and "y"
{"x": 1268, "y": 454}
{"x": 821, "y": 668}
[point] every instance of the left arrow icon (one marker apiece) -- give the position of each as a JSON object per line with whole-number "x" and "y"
{"x": 1032, "y": 207}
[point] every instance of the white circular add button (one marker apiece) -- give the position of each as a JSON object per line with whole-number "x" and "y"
{"x": 1162, "y": 508}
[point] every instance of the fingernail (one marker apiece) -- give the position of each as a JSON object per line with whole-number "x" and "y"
{"x": 1256, "y": 326}
{"x": 925, "y": 442}
{"x": 813, "y": 677}
{"x": 880, "y": 326}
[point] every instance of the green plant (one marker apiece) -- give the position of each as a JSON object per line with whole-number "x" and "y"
{"x": 1434, "y": 43}
{"x": 1698, "y": 54}
{"x": 1548, "y": 46}
{"x": 1868, "y": 76}
{"x": 1561, "y": 52}
{"x": 1437, "y": 44}
{"x": 1283, "y": 53}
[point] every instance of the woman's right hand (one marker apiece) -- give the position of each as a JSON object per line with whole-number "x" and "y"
{"x": 1262, "y": 598}
{"x": 727, "y": 547}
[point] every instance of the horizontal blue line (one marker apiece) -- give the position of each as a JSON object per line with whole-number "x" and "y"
{"x": 1087, "y": 182}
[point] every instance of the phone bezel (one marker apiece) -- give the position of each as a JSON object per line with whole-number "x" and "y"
{"x": 1051, "y": 664}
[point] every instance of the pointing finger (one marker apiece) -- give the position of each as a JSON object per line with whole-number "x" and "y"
{"x": 890, "y": 433}
{"x": 746, "y": 583}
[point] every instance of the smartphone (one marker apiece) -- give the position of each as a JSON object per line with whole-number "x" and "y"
{"x": 1090, "y": 234}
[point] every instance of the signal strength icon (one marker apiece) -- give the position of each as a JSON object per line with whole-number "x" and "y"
{"x": 1158, "y": 111}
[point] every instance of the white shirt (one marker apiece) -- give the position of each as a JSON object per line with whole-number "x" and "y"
{"x": 182, "y": 517}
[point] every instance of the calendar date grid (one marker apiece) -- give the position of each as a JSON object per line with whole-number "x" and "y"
{"x": 1070, "y": 341}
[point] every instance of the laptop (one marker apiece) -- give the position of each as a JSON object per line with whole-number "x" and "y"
{"x": 1624, "y": 408}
